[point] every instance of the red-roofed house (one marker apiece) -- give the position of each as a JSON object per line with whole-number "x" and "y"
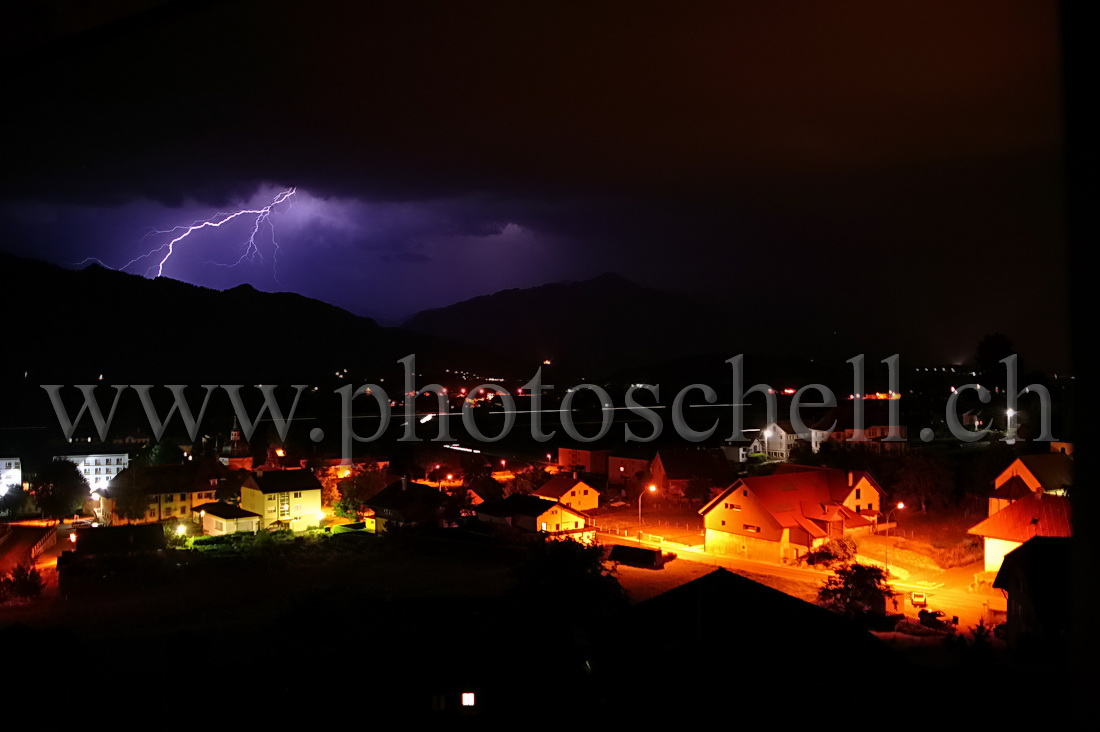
{"x": 785, "y": 515}
{"x": 1037, "y": 514}
{"x": 571, "y": 492}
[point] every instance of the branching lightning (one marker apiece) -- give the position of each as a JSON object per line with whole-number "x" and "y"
{"x": 250, "y": 250}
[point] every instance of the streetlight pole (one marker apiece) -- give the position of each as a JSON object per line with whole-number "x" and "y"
{"x": 889, "y": 516}
{"x": 652, "y": 489}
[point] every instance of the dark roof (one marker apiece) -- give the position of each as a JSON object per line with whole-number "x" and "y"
{"x": 225, "y": 510}
{"x": 284, "y": 481}
{"x": 119, "y": 539}
{"x": 876, "y": 413}
{"x": 710, "y": 463}
{"x": 558, "y": 486}
{"x": 398, "y": 496}
{"x": 1012, "y": 489}
{"x": 1044, "y": 565}
{"x": 186, "y": 477}
{"x": 516, "y": 505}
{"x": 1035, "y": 515}
{"x": 1053, "y": 470}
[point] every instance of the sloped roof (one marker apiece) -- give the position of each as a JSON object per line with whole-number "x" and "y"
{"x": 226, "y": 511}
{"x": 559, "y": 485}
{"x": 685, "y": 464}
{"x": 801, "y": 497}
{"x": 1034, "y": 515}
{"x": 284, "y": 481}
{"x": 399, "y": 497}
{"x": 516, "y": 505}
{"x": 120, "y": 539}
{"x": 1012, "y": 489}
{"x": 1044, "y": 563}
{"x": 1053, "y": 470}
{"x": 190, "y": 476}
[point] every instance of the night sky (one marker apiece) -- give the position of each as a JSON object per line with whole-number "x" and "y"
{"x": 887, "y": 171}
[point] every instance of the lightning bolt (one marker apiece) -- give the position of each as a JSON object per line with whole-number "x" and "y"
{"x": 250, "y": 250}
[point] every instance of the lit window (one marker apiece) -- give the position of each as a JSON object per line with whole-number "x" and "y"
{"x": 468, "y": 699}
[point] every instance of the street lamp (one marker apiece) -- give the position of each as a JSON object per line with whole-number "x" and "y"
{"x": 767, "y": 436}
{"x": 652, "y": 489}
{"x": 888, "y": 517}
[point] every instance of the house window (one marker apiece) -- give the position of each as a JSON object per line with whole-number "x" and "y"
{"x": 586, "y": 493}
{"x": 751, "y": 529}
{"x": 723, "y": 523}
{"x": 468, "y": 699}
{"x": 572, "y": 494}
{"x": 152, "y": 514}
{"x": 735, "y": 507}
{"x": 298, "y": 494}
{"x": 857, "y": 494}
{"x": 271, "y": 509}
{"x": 544, "y": 526}
{"x": 214, "y": 482}
{"x": 271, "y": 497}
{"x": 298, "y": 508}
{"x": 183, "y": 496}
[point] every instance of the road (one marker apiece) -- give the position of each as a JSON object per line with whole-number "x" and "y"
{"x": 952, "y": 596}
{"x": 17, "y": 547}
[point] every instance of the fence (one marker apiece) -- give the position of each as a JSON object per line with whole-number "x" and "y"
{"x": 48, "y": 540}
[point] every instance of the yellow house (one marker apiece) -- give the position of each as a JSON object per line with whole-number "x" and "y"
{"x": 533, "y": 514}
{"x": 570, "y": 491}
{"x": 284, "y": 499}
{"x": 172, "y": 490}
{"x": 218, "y": 519}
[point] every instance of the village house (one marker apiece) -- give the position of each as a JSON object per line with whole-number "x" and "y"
{"x": 625, "y": 465}
{"x": 783, "y": 516}
{"x": 673, "y": 471}
{"x": 532, "y": 514}
{"x": 583, "y": 460}
{"x": 219, "y": 518}
{"x": 837, "y": 429}
{"x": 1036, "y": 579}
{"x": 172, "y": 490}
{"x": 570, "y": 491}
{"x": 1029, "y": 478}
{"x": 402, "y": 503}
{"x": 1037, "y": 514}
{"x": 284, "y": 499}
{"x": 779, "y": 440}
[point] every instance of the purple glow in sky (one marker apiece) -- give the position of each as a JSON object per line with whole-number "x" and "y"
{"x": 386, "y": 259}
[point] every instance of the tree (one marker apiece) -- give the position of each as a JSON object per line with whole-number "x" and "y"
{"x": 856, "y": 590}
{"x": 128, "y": 494}
{"x": 527, "y": 483}
{"x": 566, "y": 578}
{"x": 698, "y": 488}
{"x": 356, "y": 490}
{"x": 26, "y": 582}
{"x": 925, "y": 476}
{"x": 59, "y": 489}
{"x": 11, "y": 499}
{"x": 161, "y": 453}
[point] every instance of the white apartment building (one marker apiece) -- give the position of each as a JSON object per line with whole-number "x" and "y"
{"x": 99, "y": 465}
{"x": 11, "y": 473}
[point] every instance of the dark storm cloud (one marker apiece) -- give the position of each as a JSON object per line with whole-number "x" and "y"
{"x": 851, "y": 159}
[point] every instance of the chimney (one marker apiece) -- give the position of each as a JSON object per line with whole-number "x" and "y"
{"x": 576, "y": 475}
{"x": 404, "y": 482}
{"x": 851, "y": 479}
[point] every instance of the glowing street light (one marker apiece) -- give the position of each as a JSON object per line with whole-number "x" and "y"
{"x": 181, "y": 530}
{"x": 652, "y": 489}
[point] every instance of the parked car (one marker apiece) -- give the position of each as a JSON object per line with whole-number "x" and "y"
{"x": 934, "y": 619}
{"x": 918, "y": 599}
{"x": 82, "y": 524}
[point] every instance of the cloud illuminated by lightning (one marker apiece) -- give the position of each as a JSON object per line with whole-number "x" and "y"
{"x": 250, "y": 250}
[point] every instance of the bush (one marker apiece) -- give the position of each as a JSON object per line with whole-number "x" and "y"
{"x": 26, "y": 582}
{"x": 837, "y": 551}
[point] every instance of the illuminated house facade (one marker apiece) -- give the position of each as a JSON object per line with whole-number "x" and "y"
{"x": 173, "y": 490}
{"x": 779, "y": 440}
{"x": 571, "y": 492}
{"x": 532, "y": 514}
{"x": 785, "y": 515}
{"x": 11, "y": 473}
{"x": 1038, "y": 514}
{"x": 98, "y": 466}
{"x": 283, "y": 499}
{"x": 218, "y": 519}
{"x": 586, "y": 461}
{"x": 1029, "y": 480}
